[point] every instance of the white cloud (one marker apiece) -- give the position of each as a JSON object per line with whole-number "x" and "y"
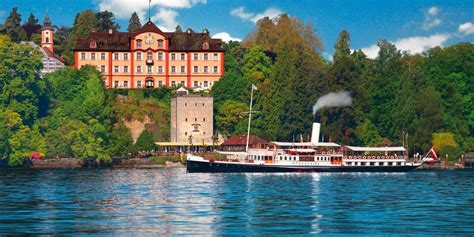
{"x": 226, "y": 37}
{"x": 241, "y": 13}
{"x": 466, "y": 28}
{"x": 123, "y": 9}
{"x": 414, "y": 45}
{"x": 433, "y": 11}
{"x": 166, "y": 18}
{"x": 431, "y": 19}
{"x": 371, "y": 51}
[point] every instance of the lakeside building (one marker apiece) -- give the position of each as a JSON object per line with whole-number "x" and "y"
{"x": 239, "y": 143}
{"x": 152, "y": 58}
{"x": 51, "y": 61}
{"x": 192, "y": 118}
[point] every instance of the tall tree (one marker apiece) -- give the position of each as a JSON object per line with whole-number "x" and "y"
{"x": 32, "y": 20}
{"x": 106, "y": 21}
{"x": 134, "y": 24}
{"x": 84, "y": 23}
{"x": 342, "y": 46}
{"x": 178, "y": 29}
{"x": 12, "y": 25}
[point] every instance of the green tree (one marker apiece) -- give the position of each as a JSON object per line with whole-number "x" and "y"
{"x": 178, "y": 29}
{"x": 342, "y": 46}
{"x": 229, "y": 115}
{"x": 367, "y": 134}
{"x": 32, "y": 20}
{"x": 145, "y": 142}
{"x": 134, "y": 24}
{"x": 12, "y": 25}
{"x": 106, "y": 21}
{"x": 84, "y": 23}
{"x": 121, "y": 142}
{"x": 21, "y": 89}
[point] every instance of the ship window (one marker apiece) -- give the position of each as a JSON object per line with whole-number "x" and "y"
{"x": 380, "y": 163}
{"x": 362, "y": 163}
{"x": 390, "y": 163}
{"x": 372, "y": 163}
{"x": 399, "y": 163}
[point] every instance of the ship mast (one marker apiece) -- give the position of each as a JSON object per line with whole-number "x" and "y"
{"x": 250, "y": 118}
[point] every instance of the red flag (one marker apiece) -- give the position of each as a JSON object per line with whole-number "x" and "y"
{"x": 433, "y": 153}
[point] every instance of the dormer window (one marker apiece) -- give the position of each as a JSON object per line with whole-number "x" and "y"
{"x": 93, "y": 45}
{"x": 139, "y": 43}
{"x": 160, "y": 43}
{"x": 205, "y": 46}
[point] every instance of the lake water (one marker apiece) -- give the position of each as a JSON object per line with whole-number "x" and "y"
{"x": 169, "y": 201}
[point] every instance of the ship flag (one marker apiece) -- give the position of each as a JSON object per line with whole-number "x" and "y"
{"x": 433, "y": 153}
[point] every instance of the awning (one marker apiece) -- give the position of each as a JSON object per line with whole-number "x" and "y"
{"x": 187, "y": 144}
{"x": 358, "y": 148}
{"x": 307, "y": 144}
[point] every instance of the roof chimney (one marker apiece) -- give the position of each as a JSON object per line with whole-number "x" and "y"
{"x": 111, "y": 31}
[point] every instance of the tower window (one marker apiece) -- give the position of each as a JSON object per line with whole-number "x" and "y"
{"x": 47, "y": 39}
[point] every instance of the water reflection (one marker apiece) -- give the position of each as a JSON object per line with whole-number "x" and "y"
{"x": 169, "y": 201}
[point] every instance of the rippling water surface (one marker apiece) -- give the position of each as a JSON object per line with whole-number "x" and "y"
{"x": 170, "y": 201}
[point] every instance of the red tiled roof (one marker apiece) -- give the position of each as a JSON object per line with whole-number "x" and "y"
{"x": 242, "y": 140}
{"x": 120, "y": 41}
{"x": 53, "y": 55}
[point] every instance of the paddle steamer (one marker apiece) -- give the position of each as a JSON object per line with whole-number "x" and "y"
{"x": 313, "y": 156}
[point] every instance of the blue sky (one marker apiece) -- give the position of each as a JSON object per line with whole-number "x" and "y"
{"x": 411, "y": 25}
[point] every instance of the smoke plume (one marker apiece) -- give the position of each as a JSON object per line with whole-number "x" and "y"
{"x": 334, "y": 99}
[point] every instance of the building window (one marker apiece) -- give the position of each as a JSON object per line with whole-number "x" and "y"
{"x": 173, "y": 69}
{"x": 186, "y": 119}
{"x": 160, "y": 43}
{"x": 149, "y": 69}
{"x": 139, "y": 56}
{"x": 83, "y": 56}
{"x": 160, "y": 84}
{"x": 125, "y": 84}
{"x": 160, "y": 69}
{"x": 102, "y": 68}
{"x": 125, "y": 68}
{"x": 196, "y": 84}
{"x": 102, "y": 56}
{"x": 206, "y": 56}
{"x": 149, "y": 56}
{"x": 183, "y": 69}
{"x": 116, "y": 68}
{"x": 173, "y": 84}
{"x": 139, "y": 43}
{"x": 116, "y": 56}
{"x": 196, "y": 69}
{"x": 139, "y": 69}
{"x": 196, "y": 56}
{"x": 173, "y": 56}
{"x": 160, "y": 56}
{"x": 183, "y": 56}
{"x": 205, "y": 84}
{"x": 149, "y": 83}
{"x": 183, "y": 83}
{"x": 215, "y": 69}
{"x": 206, "y": 69}
{"x": 93, "y": 56}
{"x": 116, "y": 84}
{"x": 215, "y": 56}
{"x": 139, "y": 84}
{"x": 125, "y": 56}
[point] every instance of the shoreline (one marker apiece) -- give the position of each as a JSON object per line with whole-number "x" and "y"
{"x": 74, "y": 163}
